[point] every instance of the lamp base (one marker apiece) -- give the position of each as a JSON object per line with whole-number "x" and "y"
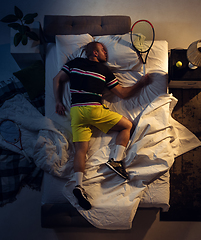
{"x": 191, "y": 66}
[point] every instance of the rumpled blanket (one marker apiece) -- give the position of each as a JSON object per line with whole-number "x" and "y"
{"x": 40, "y": 138}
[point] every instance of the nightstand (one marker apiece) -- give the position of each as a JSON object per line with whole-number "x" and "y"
{"x": 28, "y": 54}
{"x": 182, "y": 77}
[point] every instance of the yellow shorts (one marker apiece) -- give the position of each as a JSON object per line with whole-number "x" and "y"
{"x": 83, "y": 117}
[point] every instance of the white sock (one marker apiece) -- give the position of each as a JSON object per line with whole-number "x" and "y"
{"x": 78, "y": 178}
{"x": 119, "y": 153}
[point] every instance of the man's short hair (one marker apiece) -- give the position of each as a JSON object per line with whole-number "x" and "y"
{"x": 90, "y": 47}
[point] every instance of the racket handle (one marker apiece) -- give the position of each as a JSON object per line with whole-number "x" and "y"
{"x": 26, "y": 156}
{"x": 144, "y": 70}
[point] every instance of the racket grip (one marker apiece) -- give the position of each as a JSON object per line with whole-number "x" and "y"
{"x": 144, "y": 70}
{"x": 26, "y": 156}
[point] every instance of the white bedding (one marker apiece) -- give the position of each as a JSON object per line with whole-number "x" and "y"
{"x": 40, "y": 137}
{"x": 149, "y": 156}
{"x": 157, "y": 140}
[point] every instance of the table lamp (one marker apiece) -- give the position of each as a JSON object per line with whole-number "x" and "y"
{"x": 194, "y": 55}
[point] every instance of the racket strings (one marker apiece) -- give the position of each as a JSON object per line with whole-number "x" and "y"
{"x": 142, "y": 35}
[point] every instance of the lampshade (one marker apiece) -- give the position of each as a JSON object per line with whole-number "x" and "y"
{"x": 194, "y": 54}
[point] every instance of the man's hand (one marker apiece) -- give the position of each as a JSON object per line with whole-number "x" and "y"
{"x": 145, "y": 80}
{"x": 60, "y": 109}
{"x": 58, "y": 87}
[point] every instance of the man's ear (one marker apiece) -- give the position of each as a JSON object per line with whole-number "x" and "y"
{"x": 95, "y": 52}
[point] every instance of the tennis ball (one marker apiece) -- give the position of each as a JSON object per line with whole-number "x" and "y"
{"x": 179, "y": 64}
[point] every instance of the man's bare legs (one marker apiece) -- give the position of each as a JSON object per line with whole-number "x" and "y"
{"x": 124, "y": 127}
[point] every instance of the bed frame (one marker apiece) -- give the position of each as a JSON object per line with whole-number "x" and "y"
{"x": 65, "y": 215}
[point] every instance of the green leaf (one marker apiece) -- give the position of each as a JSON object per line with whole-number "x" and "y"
{"x": 17, "y": 39}
{"x": 29, "y": 21}
{"x": 9, "y": 18}
{"x": 32, "y": 35}
{"x": 23, "y": 29}
{"x": 27, "y": 28}
{"x": 15, "y": 26}
{"x": 29, "y": 18}
{"x": 18, "y": 13}
{"x": 24, "y": 40}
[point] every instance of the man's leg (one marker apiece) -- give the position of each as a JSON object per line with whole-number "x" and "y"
{"x": 81, "y": 149}
{"x": 124, "y": 127}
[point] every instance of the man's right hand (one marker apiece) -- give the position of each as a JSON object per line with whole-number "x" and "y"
{"x": 60, "y": 109}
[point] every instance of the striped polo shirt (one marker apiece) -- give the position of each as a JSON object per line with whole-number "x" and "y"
{"x": 88, "y": 80}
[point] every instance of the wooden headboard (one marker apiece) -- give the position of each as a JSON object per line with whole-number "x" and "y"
{"x": 94, "y": 25}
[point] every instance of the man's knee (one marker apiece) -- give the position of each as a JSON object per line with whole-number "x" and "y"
{"x": 130, "y": 124}
{"x": 123, "y": 124}
{"x": 126, "y": 123}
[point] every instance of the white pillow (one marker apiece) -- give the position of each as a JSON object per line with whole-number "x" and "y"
{"x": 67, "y": 47}
{"x": 121, "y": 55}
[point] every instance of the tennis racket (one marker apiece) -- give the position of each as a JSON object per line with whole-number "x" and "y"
{"x": 142, "y": 39}
{"x": 11, "y": 134}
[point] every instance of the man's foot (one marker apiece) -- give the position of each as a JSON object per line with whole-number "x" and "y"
{"x": 118, "y": 167}
{"x": 82, "y": 198}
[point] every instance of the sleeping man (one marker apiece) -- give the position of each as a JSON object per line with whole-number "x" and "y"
{"x": 88, "y": 78}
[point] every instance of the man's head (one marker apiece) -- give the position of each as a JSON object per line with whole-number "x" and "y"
{"x": 96, "y": 51}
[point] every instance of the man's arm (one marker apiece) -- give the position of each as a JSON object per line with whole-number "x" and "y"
{"x": 58, "y": 86}
{"x": 127, "y": 92}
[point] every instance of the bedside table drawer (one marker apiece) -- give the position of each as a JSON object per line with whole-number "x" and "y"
{"x": 185, "y": 84}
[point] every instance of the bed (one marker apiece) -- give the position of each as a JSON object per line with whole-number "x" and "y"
{"x": 148, "y": 161}
{"x": 155, "y": 143}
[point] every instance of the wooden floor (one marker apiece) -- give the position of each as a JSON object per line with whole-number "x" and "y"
{"x": 185, "y": 192}
{"x": 188, "y": 113}
{"x": 188, "y": 109}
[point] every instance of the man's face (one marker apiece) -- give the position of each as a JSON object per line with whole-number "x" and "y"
{"x": 102, "y": 53}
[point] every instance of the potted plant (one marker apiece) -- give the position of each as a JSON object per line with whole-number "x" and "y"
{"x": 19, "y": 22}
